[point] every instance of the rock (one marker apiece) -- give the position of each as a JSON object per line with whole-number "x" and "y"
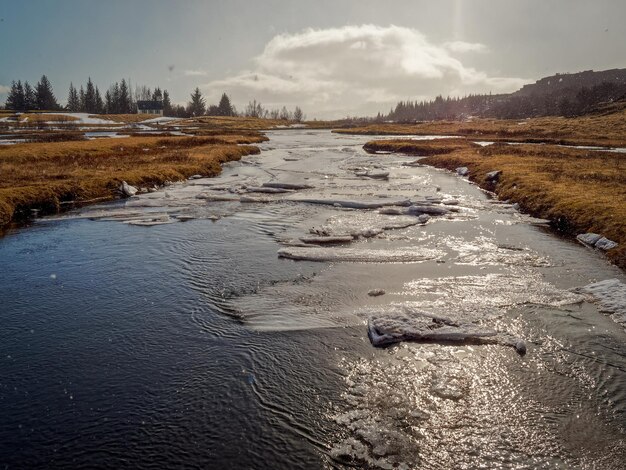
{"x": 127, "y": 190}
{"x": 450, "y": 202}
{"x": 493, "y": 176}
{"x": 293, "y": 186}
{"x": 520, "y": 347}
{"x": 376, "y": 292}
{"x": 588, "y": 238}
{"x": 606, "y": 244}
{"x": 195, "y": 177}
{"x": 462, "y": 171}
{"x": 423, "y": 218}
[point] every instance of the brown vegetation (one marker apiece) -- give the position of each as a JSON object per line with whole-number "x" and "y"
{"x": 124, "y": 118}
{"x": 600, "y": 129}
{"x": 419, "y": 147}
{"x": 46, "y": 117}
{"x": 43, "y": 176}
{"x": 578, "y": 190}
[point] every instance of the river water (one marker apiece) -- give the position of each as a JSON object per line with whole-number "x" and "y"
{"x": 165, "y": 331}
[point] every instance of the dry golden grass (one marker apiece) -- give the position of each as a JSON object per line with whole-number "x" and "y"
{"x": 124, "y": 118}
{"x": 419, "y": 147}
{"x": 42, "y": 176}
{"x": 602, "y": 130}
{"x": 579, "y": 190}
{"x": 44, "y": 117}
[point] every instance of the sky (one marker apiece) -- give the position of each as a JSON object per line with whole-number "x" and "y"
{"x": 332, "y": 58}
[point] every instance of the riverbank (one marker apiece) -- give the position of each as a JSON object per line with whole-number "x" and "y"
{"x": 43, "y": 178}
{"x": 578, "y": 190}
{"x": 606, "y": 130}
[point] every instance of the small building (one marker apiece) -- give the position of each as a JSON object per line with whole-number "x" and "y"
{"x": 150, "y": 107}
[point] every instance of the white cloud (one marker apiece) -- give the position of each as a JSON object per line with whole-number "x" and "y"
{"x": 194, "y": 73}
{"x": 462, "y": 46}
{"x": 356, "y": 70}
{"x": 4, "y": 89}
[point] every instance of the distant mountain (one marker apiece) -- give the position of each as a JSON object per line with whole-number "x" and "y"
{"x": 567, "y": 94}
{"x": 562, "y": 82}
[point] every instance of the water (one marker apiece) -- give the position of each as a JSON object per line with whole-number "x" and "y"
{"x": 164, "y": 331}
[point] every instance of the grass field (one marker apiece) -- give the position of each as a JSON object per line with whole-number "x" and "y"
{"x": 602, "y": 129}
{"x": 578, "y": 190}
{"x": 44, "y": 175}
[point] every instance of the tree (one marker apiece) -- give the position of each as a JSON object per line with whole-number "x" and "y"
{"x": 157, "y": 95}
{"x": 143, "y": 93}
{"x": 285, "y": 115}
{"x": 45, "y": 96}
{"x": 73, "y": 102}
{"x": 99, "y": 102}
{"x": 197, "y": 105}
{"x": 167, "y": 105}
{"x": 254, "y": 109}
{"x": 224, "y": 108}
{"x": 108, "y": 102}
{"x": 15, "y": 99}
{"x": 125, "y": 105}
{"x": 81, "y": 99}
{"x": 297, "y": 114}
{"x": 90, "y": 98}
{"x": 30, "y": 100}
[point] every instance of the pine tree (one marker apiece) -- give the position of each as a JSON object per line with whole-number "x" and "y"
{"x": 157, "y": 95}
{"x": 125, "y": 104}
{"x": 81, "y": 99}
{"x": 45, "y": 96}
{"x": 73, "y": 102}
{"x": 30, "y": 101}
{"x": 167, "y": 105}
{"x": 15, "y": 99}
{"x": 99, "y": 102}
{"x": 197, "y": 106}
{"x": 224, "y": 108}
{"x": 108, "y": 102}
{"x": 90, "y": 97}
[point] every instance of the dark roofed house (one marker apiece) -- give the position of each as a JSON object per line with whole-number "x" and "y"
{"x": 150, "y": 107}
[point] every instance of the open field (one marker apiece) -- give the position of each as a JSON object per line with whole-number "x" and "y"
{"x": 602, "y": 129}
{"x": 44, "y": 176}
{"x": 578, "y": 190}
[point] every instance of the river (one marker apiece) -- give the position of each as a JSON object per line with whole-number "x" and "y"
{"x": 165, "y": 331}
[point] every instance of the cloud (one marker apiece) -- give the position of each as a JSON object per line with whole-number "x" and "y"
{"x": 194, "y": 73}
{"x": 356, "y": 70}
{"x": 4, "y": 89}
{"x": 462, "y": 46}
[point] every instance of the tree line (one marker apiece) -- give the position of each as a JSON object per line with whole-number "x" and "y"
{"x": 565, "y": 102}
{"x": 119, "y": 99}
{"x": 197, "y": 107}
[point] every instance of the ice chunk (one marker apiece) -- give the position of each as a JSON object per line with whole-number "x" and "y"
{"x": 588, "y": 238}
{"x": 610, "y": 294}
{"x": 606, "y": 244}
{"x": 358, "y": 255}
{"x": 422, "y": 326}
